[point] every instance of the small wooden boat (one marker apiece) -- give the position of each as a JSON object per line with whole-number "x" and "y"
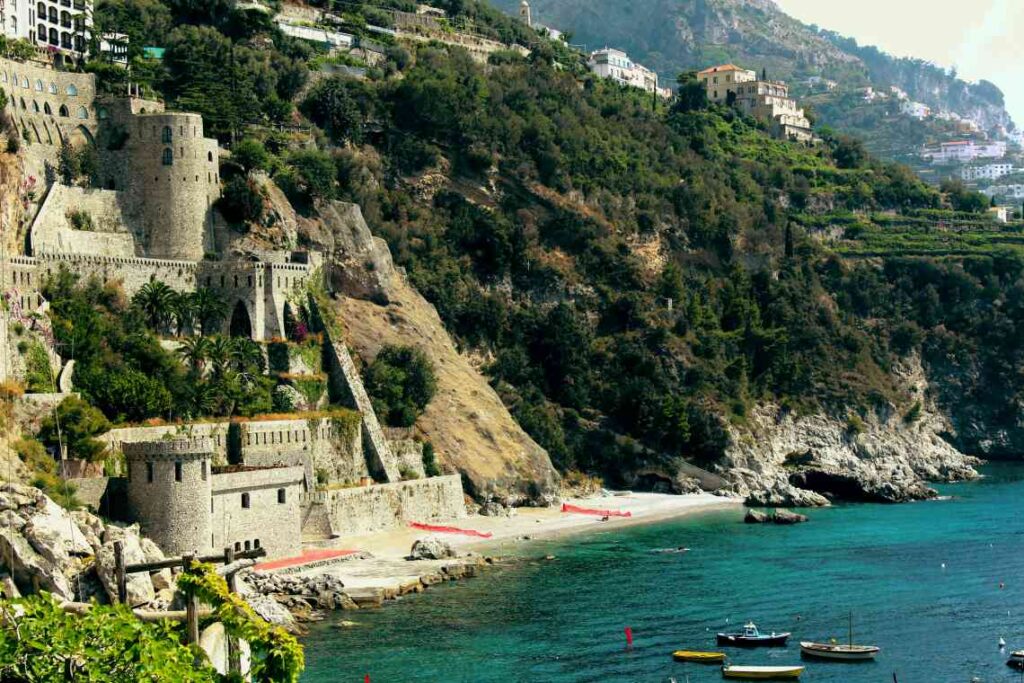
{"x": 699, "y": 657}
{"x": 762, "y": 673}
{"x": 846, "y": 653}
{"x": 1016, "y": 659}
{"x": 839, "y": 652}
{"x": 751, "y": 637}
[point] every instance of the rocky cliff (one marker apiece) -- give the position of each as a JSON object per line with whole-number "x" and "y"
{"x": 887, "y": 455}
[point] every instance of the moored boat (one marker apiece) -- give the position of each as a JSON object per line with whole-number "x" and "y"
{"x": 835, "y": 651}
{"x": 846, "y": 653}
{"x": 699, "y": 657}
{"x": 752, "y": 637}
{"x": 762, "y": 673}
{"x": 1016, "y": 659}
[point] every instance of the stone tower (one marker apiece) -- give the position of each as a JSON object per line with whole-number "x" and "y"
{"x": 524, "y": 13}
{"x": 169, "y": 492}
{"x": 173, "y": 179}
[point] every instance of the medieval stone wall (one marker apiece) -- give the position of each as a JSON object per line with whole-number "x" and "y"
{"x": 386, "y": 506}
{"x": 52, "y": 231}
{"x": 258, "y": 509}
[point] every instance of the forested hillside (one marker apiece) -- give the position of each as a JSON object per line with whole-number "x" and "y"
{"x": 636, "y": 276}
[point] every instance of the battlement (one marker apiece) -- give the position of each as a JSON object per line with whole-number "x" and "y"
{"x": 196, "y": 447}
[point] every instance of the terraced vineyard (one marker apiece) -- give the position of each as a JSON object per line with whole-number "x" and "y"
{"x": 926, "y": 233}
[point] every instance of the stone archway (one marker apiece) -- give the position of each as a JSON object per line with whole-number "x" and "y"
{"x": 241, "y": 324}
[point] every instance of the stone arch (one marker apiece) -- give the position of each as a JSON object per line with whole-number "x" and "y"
{"x": 63, "y": 111}
{"x": 49, "y": 137}
{"x": 241, "y": 323}
{"x": 80, "y": 135}
{"x": 46, "y": 109}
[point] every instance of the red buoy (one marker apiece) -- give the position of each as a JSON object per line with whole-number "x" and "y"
{"x": 629, "y": 637}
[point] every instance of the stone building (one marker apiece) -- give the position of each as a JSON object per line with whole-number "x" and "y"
{"x": 186, "y": 504}
{"x": 763, "y": 99}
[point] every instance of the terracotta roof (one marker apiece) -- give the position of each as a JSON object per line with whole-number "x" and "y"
{"x": 723, "y": 67}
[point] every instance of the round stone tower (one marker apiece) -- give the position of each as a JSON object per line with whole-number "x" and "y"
{"x": 169, "y": 492}
{"x": 524, "y": 13}
{"x": 174, "y": 180}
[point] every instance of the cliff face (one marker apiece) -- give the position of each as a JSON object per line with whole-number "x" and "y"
{"x": 471, "y": 430}
{"x": 888, "y": 455}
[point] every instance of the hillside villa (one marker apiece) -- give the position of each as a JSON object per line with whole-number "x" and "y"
{"x": 764, "y": 99}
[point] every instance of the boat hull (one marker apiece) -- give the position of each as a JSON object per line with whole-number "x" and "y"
{"x": 740, "y": 640}
{"x": 841, "y": 653}
{"x": 698, "y": 657}
{"x": 762, "y": 673}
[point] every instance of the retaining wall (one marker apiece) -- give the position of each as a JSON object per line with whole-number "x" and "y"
{"x": 386, "y": 506}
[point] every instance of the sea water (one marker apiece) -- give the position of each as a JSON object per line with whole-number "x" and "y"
{"x": 935, "y": 584}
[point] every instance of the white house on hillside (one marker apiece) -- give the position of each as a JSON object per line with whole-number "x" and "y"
{"x": 986, "y": 172}
{"x": 965, "y": 151}
{"x": 616, "y": 65}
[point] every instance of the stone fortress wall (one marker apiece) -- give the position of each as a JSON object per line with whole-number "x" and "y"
{"x": 52, "y": 231}
{"x": 258, "y": 508}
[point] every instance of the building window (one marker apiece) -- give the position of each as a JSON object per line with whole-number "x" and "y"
{"x": 53, "y": 88}
{"x": 256, "y": 544}
{"x": 238, "y": 546}
{"x": 178, "y": 471}
{"x": 72, "y": 91}
{"x": 83, "y": 113}
{"x": 248, "y": 545}
{"x": 166, "y": 138}
{"x": 39, "y": 85}
{"x": 168, "y": 158}
{"x": 245, "y": 501}
{"x": 149, "y": 472}
{"x": 282, "y": 496}
{"x": 209, "y": 155}
{"x": 204, "y": 470}
{"x": 63, "y": 111}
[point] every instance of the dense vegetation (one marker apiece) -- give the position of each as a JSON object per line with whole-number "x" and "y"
{"x": 633, "y": 268}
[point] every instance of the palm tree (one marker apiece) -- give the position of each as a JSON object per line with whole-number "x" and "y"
{"x": 221, "y": 353}
{"x": 202, "y": 399}
{"x": 183, "y": 310}
{"x": 195, "y": 351}
{"x": 155, "y": 300}
{"x": 210, "y": 309}
{"x": 248, "y": 358}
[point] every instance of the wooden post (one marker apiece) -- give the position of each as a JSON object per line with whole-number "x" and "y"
{"x": 122, "y": 582}
{"x": 191, "y": 608}
{"x": 234, "y": 658}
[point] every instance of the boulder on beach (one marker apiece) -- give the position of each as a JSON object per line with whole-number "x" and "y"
{"x": 431, "y": 548}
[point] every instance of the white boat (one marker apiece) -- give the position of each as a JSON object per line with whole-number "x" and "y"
{"x": 847, "y": 653}
{"x": 762, "y": 673}
{"x": 1016, "y": 659}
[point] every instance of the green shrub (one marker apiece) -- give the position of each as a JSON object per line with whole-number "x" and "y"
{"x": 914, "y": 413}
{"x": 38, "y": 373}
{"x": 81, "y": 220}
{"x": 430, "y": 467}
{"x": 401, "y": 382}
{"x": 241, "y": 201}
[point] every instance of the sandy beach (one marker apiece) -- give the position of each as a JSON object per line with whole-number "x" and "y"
{"x": 387, "y": 574}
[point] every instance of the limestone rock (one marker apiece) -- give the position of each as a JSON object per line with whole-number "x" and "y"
{"x": 786, "y": 517}
{"x": 755, "y": 517}
{"x": 140, "y": 588}
{"x": 431, "y": 548}
{"x": 271, "y": 611}
{"x": 151, "y": 550}
{"x": 53, "y": 532}
{"x": 493, "y": 508}
{"x": 162, "y": 580}
{"x": 28, "y": 567}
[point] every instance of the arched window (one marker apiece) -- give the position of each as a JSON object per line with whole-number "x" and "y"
{"x": 24, "y": 82}
{"x": 83, "y": 113}
{"x": 168, "y": 157}
{"x": 209, "y": 156}
{"x": 35, "y": 106}
{"x": 72, "y": 90}
{"x": 102, "y": 113}
{"x": 41, "y": 10}
{"x": 46, "y": 109}
{"x": 167, "y": 134}
{"x": 53, "y": 15}
{"x": 53, "y": 88}
{"x": 39, "y": 85}
{"x": 22, "y": 102}
{"x": 65, "y": 19}
{"x": 63, "y": 111}
{"x": 54, "y": 37}
{"x": 65, "y": 39}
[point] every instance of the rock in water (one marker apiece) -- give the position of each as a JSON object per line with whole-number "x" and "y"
{"x": 755, "y": 517}
{"x": 787, "y": 517}
{"x": 431, "y": 548}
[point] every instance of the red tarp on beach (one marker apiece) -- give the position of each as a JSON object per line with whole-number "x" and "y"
{"x": 450, "y": 530}
{"x": 599, "y": 513}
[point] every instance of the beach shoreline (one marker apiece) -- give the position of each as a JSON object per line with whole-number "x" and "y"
{"x": 380, "y": 571}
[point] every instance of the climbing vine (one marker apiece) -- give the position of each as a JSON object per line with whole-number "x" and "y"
{"x": 276, "y": 656}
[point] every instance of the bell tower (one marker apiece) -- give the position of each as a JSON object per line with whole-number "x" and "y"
{"x": 524, "y": 13}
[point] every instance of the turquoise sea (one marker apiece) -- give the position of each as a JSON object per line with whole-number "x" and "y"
{"x": 922, "y": 579}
